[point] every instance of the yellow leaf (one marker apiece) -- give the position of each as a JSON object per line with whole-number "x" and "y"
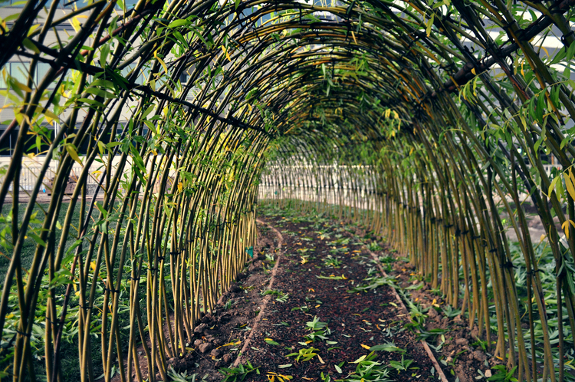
{"x": 353, "y": 35}
{"x": 102, "y": 147}
{"x": 22, "y": 86}
{"x": 522, "y": 72}
{"x": 73, "y": 154}
{"x": 226, "y": 53}
{"x": 565, "y": 227}
{"x": 75, "y": 24}
{"x": 33, "y": 28}
{"x": 161, "y": 61}
{"x": 365, "y": 346}
{"x": 569, "y": 184}
{"x": 552, "y": 186}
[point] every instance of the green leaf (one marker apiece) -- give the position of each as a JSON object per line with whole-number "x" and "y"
{"x": 552, "y": 186}
{"x": 72, "y": 152}
{"x": 104, "y": 51}
{"x": 389, "y": 347}
{"x": 37, "y": 239}
{"x": 269, "y": 341}
{"x": 148, "y": 110}
{"x": 570, "y": 52}
{"x": 428, "y": 25}
{"x": 30, "y": 45}
{"x": 178, "y": 23}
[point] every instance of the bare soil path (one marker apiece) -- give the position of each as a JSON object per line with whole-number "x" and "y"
{"x": 329, "y": 314}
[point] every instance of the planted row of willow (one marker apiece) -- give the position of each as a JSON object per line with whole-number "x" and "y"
{"x": 167, "y": 229}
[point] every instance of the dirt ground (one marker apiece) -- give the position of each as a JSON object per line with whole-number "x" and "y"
{"x": 321, "y": 318}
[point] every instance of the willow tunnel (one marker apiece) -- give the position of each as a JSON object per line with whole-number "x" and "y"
{"x": 139, "y": 134}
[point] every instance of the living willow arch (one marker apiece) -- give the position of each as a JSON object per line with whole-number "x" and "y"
{"x": 448, "y": 133}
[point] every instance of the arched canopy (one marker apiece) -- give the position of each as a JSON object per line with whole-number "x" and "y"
{"x": 160, "y": 117}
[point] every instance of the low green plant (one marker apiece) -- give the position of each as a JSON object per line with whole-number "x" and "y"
{"x": 451, "y": 312}
{"x": 281, "y": 296}
{"x": 331, "y": 261}
{"x": 502, "y": 374}
{"x": 319, "y": 330}
{"x": 431, "y": 334}
{"x": 304, "y": 354}
{"x": 402, "y": 365}
{"x": 368, "y": 369}
{"x": 239, "y": 373}
{"x": 374, "y": 282}
{"x": 389, "y": 347}
{"x": 387, "y": 259}
{"x": 373, "y": 246}
{"x": 184, "y": 377}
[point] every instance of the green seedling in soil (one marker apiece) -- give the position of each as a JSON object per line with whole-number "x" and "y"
{"x": 414, "y": 287}
{"x": 331, "y": 261}
{"x": 183, "y": 377}
{"x": 304, "y": 354}
{"x": 387, "y": 259}
{"x": 451, "y": 312}
{"x": 319, "y": 330}
{"x": 416, "y": 312}
{"x": 482, "y": 344}
{"x": 304, "y": 308}
{"x": 503, "y": 375}
{"x": 341, "y": 240}
{"x": 372, "y": 283}
{"x": 431, "y": 334}
{"x": 374, "y": 247}
{"x": 436, "y": 292}
{"x": 402, "y": 365}
{"x": 326, "y": 377}
{"x": 368, "y": 370}
{"x": 281, "y": 296}
{"x": 238, "y": 373}
{"x": 389, "y": 347}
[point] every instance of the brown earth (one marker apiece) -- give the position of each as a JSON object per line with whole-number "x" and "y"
{"x": 320, "y": 263}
